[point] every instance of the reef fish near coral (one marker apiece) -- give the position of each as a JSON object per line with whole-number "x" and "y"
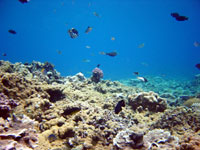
{"x": 198, "y": 66}
{"x": 178, "y": 17}
{"x": 24, "y": 1}
{"x": 12, "y": 31}
{"x": 73, "y": 33}
{"x": 112, "y": 54}
{"x": 119, "y": 106}
{"x": 88, "y": 29}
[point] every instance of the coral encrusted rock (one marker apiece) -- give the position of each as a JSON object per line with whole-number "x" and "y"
{"x": 147, "y": 101}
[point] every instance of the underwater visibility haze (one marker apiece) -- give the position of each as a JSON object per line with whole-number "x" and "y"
{"x": 100, "y": 74}
{"x": 42, "y": 30}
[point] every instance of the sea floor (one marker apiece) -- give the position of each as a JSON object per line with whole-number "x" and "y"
{"x": 39, "y": 109}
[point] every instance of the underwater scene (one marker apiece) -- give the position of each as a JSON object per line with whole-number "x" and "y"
{"x": 100, "y": 75}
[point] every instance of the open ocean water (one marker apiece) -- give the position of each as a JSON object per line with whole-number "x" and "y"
{"x": 145, "y": 36}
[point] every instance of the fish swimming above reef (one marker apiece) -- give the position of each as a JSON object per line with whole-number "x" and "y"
{"x": 87, "y": 46}
{"x": 24, "y": 1}
{"x": 96, "y": 14}
{"x": 12, "y": 31}
{"x": 198, "y": 66}
{"x": 136, "y": 73}
{"x": 142, "y": 79}
{"x": 73, "y": 33}
{"x": 112, "y": 38}
{"x": 119, "y": 106}
{"x": 4, "y": 54}
{"x": 98, "y": 65}
{"x": 88, "y": 29}
{"x": 196, "y": 44}
{"x": 112, "y": 54}
{"x": 86, "y": 60}
{"x": 141, "y": 45}
{"x": 178, "y": 17}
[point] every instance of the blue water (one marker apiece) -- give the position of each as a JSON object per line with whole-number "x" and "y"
{"x": 42, "y": 26}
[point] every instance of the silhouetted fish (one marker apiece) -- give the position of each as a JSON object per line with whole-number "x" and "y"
{"x": 88, "y": 29}
{"x": 112, "y": 54}
{"x": 98, "y": 65}
{"x": 4, "y": 54}
{"x": 178, "y": 17}
{"x": 119, "y": 106}
{"x": 73, "y": 33}
{"x": 24, "y": 1}
{"x": 181, "y": 18}
{"x": 174, "y": 15}
{"x": 136, "y": 73}
{"x": 198, "y": 66}
{"x": 12, "y": 31}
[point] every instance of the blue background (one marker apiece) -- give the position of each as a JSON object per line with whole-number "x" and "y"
{"x": 42, "y": 26}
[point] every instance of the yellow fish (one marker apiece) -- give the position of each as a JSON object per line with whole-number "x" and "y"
{"x": 141, "y": 45}
{"x": 112, "y": 38}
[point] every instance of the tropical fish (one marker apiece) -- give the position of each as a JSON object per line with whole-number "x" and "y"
{"x": 73, "y": 33}
{"x": 136, "y": 73}
{"x": 12, "y": 31}
{"x": 119, "y": 106}
{"x": 141, "y": 45}
{"x": 174, "y": 14}
{"x": 43, "y": 70}
{"x": 112, "y": 54}
{"x": 98, "y": 65}
{"x": 112, "y": 38}
{"x": 59, "y": 52}
{"x": 178, "y": 17}
{"x": 142, "y": 79}
{"x": 196, "y": 44}
{"x": 198, "y": 66}
{"x": 88, "y": 29}
{"x": 96, "y": 14}
{"x": 24, "y": 1}
{"x": 86, "y": 60}
{"x": 4, "y": 54}
{"x": 87, "y": 46}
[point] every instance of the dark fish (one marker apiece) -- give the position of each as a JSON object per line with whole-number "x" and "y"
{"x": 24, "y": 1}
{"x": 73, "y": 33}
{"x": 88, "y": 29}
{"x": 178, "y": 17}
{"x": 181, "y": 18}
{"x": 4, "y": 54}
{"x": 174, "y": 15}
{"x": 52, "y": 137}
{"x": 198, "y": 66}
{"x": 12, "y": 31}
{"x": 112, "y": 54}
{"x": 119, "y": 106}
{"x": 136, "y": 73}
{"x": 98, "y": 65}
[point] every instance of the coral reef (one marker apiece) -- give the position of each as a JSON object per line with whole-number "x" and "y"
{"x": 160, "y": 139}
{"x": 179, "y": 120}
{"x": 171, "y": 89}
{"x": 6, "y": 105}
{"x": 147, "y": 100}
{"x": 18, "y": 133}
{"x": 97, "y": 74}
{"x": 76, "y": 112}
{"x": 128, "y": 140}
